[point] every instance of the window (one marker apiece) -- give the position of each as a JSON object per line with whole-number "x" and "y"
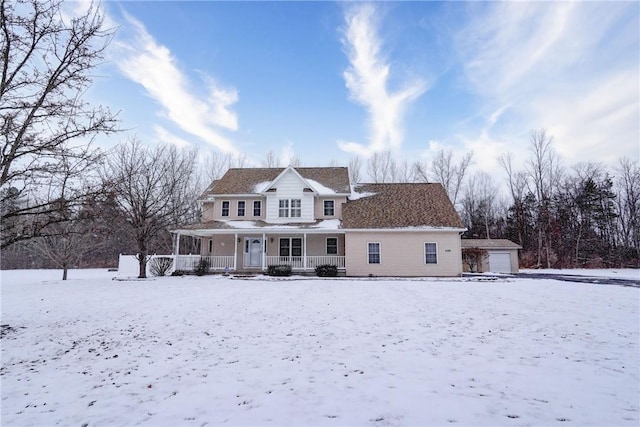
{"x": 296, "y": 247}
{"x": 210, "y": 245}
{"x": 332, "y": 246}
{"x": 283, "y": 208}
{"x": 296, "y": 208}
{"x": 257, "y": 208}
{"x": 225, "y": 208}
{"x": 374, "y": 253}
{"x": 241, "y": 206}
{"x": 329, "y": 208}
{"x": 430, "y": 253}
{"x": 291, "y": 247}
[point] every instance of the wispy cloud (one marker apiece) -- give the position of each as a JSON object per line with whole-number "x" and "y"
{"x": 569, "y": 67}
{"x": 166, "y": 137}
{"x": 367, "y": 80}
{"x": 153, "y": 66}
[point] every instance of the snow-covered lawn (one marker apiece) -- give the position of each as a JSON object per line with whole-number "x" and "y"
{"x": 195, "y": 351}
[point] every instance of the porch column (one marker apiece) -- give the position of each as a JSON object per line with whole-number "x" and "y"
{"x": 235, "y": 252}
{"x": 176, "y": 248}
{"x": 176, "y": 251}
{"x": 264, "y": 250}
{"x": 304, "y": 251}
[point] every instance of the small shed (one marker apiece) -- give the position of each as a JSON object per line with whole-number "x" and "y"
{"x": 501, "y": 255}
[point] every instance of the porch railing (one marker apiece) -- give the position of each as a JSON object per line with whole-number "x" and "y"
{"x": 190, "y": 262}
{"x": 297, "y": 262}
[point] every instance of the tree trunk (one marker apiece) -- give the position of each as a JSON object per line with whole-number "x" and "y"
{"x": 142, "y": 262}
{"x": 64, "y": 271}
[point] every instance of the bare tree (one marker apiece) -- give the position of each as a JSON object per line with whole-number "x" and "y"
{"x": 271, "y": 160}
{"x": 381, "y": 167}
{"x": 218, "y": 163}
{"x": 449, "y": 173}
{"x": 46, "y": 65}
{"x": 355, "y": 167}
{"x": 517, "y": 184}
{"x": 295, "y": 161}
{"x": 153, "y": 188}
{"x": 420, "y": 171}
{"x": 544, "y": 174}
{"x": 628, "y": 203}
{"x": 64, "y": 243}
{"x": 480, "y": 205}
{"x": 403, "y": 172}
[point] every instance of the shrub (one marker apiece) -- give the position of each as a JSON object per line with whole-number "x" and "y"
{"x": 327, "y": 270}
{"x": 160, "y": 266}
{"x": 473, "y": 258}
{"x": 178, "y": 273}
{"x": 279, "y": 270}
{"x": 202, "y": 267}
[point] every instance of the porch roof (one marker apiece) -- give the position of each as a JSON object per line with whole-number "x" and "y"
{"x": 252, "y": 226}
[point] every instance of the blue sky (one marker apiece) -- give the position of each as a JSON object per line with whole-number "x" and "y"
{"x": 326, "y": 81}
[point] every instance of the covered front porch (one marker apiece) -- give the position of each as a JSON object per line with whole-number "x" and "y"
{"x": 256, "y": 250}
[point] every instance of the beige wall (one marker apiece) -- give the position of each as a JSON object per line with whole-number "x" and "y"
{"x": 213, "y": 211}
{"x": 319, "y": 208}
{"x": 316, "y": 243}
{"x": 402, "y": 253}
{"x": 222, "y": 245}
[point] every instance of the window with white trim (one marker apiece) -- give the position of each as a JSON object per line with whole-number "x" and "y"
{"x": 210, "y": 245}
{"x": 257, "y": 208}
{"x": 296, "y": 208}
{"x": 430, "y": 253}
{"x": 374, "y": 253}
{"x": 332, "y": 246}
{"x": 289, "y": 208}
{"x": 241, "y": 207}
{"x": 290, "y": 246}
{"x": 283, "y": 208}
{"x": 329, "y": 208}
{"x": 225, "y": 208}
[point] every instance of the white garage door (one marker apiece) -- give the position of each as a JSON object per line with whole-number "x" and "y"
{"x": 499, "y": 262}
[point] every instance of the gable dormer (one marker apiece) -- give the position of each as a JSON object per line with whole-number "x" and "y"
{"x": 289, "y": 198}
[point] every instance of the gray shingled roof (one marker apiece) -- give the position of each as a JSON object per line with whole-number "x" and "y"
{"x": 244, "y": 180}
{"x": 490, "y": 244}
{"x": 400, "y": 205}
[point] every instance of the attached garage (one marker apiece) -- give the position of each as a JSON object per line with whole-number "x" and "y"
{"x": 498, "y": 255}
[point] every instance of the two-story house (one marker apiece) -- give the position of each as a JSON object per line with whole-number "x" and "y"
{"x": 305, "y": 217}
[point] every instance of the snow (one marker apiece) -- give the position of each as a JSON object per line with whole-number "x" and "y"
{"x": 241, "y": 224}
{"x": 327, "y": 224}
{"x": 355, "y": 195}
{"x": 261, "y": 186}
{"x": 622, "y": 273}
{"x": 321, "y": 189}
{"x": 212, "y": 350}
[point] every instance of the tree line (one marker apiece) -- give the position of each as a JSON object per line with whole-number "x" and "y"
{"x": 65, "y": 203}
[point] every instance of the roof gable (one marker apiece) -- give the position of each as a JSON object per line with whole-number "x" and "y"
{"x": 406, "y": 205}
{"x": 256, "y": 180}
{"x": 289, "y": 170}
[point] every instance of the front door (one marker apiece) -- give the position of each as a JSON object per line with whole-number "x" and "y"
{"x": 252, "y": 252}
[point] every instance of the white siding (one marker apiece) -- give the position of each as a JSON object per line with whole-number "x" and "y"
{"x": 289, "y": 187}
